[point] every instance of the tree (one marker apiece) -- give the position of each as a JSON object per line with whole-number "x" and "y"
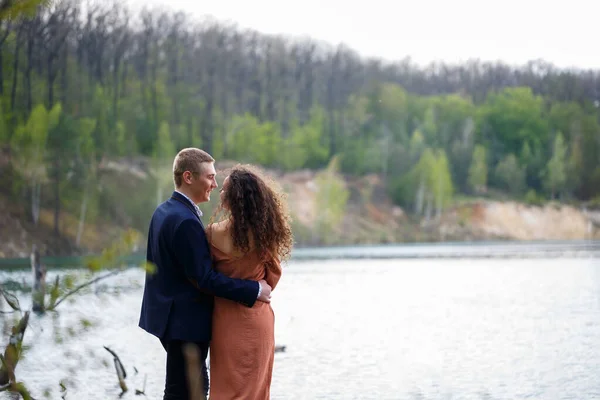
{"x": 29, "y": 144}
{"x": 441, "y": 182}
{"x": 161, "y": 159}
{"x": 556, "y": 170}
{"x": 511, "y": 175}
{"x": 511, "y": 117}
{"x": 478, "y": 170}
{"x": 417, "y": 146}
{"x": 332, "y": 196}
{"x": 87, "y": 160}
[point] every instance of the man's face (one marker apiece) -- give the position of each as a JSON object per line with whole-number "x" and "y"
{"x": 204, "y": 183}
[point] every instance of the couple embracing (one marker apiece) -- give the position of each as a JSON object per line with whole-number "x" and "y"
{"x": 213, "y": 285}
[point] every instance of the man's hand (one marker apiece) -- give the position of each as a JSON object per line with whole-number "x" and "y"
{"x": 265, "y": 294}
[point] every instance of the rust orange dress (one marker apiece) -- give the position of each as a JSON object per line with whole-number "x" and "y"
{"x": 242, "y": 348}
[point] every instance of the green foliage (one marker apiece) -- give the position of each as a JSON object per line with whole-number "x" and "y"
{"x": 532, "y": 198}
{"x": 515, "y": 116}
{"x": 249, "y": 140}
{"x": 11, "y": 9}
{"x": 305, "y": 146}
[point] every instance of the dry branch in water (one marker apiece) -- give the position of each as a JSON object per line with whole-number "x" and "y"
{"x": 13, "y": 351}
{"x": 11, "y": 357}
{"x": 121, "y": 374}
{"x": 82, "y": 286}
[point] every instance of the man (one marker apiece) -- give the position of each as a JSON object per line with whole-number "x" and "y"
{"x": 178, "y": 296}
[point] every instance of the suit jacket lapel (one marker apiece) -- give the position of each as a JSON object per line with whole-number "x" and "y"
{"x": 178, "y": 197}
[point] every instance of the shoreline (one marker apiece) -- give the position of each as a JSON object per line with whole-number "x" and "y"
{"x": 421, "y": 250}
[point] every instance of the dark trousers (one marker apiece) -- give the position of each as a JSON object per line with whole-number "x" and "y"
{"x": 176, "y": 384}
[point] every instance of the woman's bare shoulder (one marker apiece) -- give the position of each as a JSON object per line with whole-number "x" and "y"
{"x": 220, "y": 227}
{"x": 219, "y": 232}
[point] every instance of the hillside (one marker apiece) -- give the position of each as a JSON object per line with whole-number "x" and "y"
{"x": 369, "y": 218}
{"x": 436, "y": 134}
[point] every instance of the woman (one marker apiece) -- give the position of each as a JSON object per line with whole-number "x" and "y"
{"x": 249, "y": 242}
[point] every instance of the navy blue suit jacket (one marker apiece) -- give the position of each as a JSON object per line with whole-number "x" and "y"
{"x": 178, "y": 296}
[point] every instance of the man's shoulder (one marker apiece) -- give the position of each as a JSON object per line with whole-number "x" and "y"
{"x": 172, "y": 213}
{"x": 171, "y": 207}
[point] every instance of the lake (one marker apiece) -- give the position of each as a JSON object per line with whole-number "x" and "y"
{"x": 361, "y": 329}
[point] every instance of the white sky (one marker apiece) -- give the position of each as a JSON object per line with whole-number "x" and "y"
{"x": 514, "y": 31}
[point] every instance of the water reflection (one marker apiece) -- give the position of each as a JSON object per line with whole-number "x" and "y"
{"x": 364, "y": 329}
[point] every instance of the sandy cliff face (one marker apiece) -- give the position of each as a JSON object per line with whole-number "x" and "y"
{"x": 522, "y": 222}
{"x": 517, "y": 221}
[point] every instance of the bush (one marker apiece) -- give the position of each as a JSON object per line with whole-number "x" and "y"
{"x": 533, "y": 199}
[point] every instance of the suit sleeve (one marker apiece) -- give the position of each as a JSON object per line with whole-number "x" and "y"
{"x": 192, "y": 251}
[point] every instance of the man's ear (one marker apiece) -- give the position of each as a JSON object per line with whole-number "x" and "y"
{"x": 187, "y": 177}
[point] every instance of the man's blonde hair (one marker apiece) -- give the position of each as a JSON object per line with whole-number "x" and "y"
{"x": 189, "y": 159}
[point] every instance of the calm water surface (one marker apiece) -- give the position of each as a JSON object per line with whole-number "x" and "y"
{"x": 363, "y": 329}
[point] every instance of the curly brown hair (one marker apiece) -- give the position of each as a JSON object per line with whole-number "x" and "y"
{"x": 258, "y": 213}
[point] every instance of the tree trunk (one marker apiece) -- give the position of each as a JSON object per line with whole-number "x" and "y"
{"x": 419, "y": 198}
{"x": 115, "y": 89}
{"x": 57, "y": 207}
{"x": 36, "y": 191}
{"x": 207, "y": 120}
{"x": 38, "y": 293}
{"x": 13, "y": 91}
{"x": 439, "y": 199}
{"x": 50, "y": 82}
{"x": 2, "y": 41}
{"x": 28, "y": 89}
{"x": 82, "y": 213}
{"x": 1, "y": 73}
{"x": 64, "y": 83}
{"x": 428, "y": 207}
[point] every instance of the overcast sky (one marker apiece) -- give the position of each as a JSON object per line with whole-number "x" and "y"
{"x": 513, "y": 31}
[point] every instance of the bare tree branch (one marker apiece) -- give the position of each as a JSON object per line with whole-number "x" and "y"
{"x": 82, "y": 286}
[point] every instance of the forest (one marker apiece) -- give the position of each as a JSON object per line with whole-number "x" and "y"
{"x": 82, "y": 84}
